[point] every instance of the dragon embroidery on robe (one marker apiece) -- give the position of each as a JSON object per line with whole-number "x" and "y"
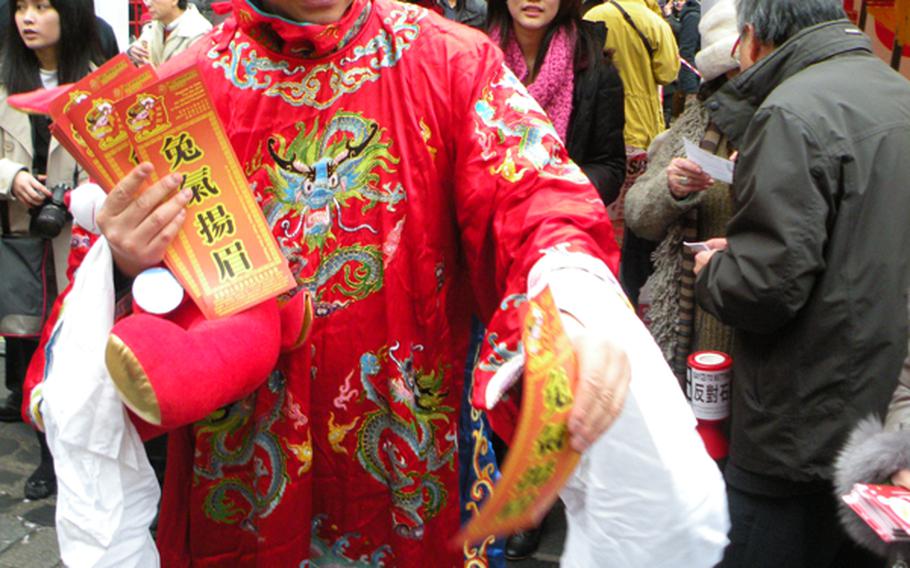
{"x": 316, "y": 181}
{"x": 232, "y": 441}
{"x": 403, "y": 452}
{"x": 505, "y": 110}
{"x": 316, "y": 176}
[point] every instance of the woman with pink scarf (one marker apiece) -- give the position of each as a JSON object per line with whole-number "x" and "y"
{"x": 560, "y": 59}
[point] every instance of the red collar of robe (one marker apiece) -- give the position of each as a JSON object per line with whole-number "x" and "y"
{"x": 299, "y": 39}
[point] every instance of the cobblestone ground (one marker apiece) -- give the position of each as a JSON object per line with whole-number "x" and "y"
{"x": 28, "y": 538}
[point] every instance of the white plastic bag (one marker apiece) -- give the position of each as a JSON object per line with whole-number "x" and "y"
{"x": 107, "y": 491}
{"x": 646, "y": 493}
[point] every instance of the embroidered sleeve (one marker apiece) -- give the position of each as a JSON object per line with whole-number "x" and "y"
{"x": 517, "y": 194}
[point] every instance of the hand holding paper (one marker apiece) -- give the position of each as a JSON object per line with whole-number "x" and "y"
{"x": 718, "y": 168}
{"x": 220, "y": 248}
{"x": 696, "y": 247}
{"x": 540, "y": 458}
{"x": 140, "y": 230}
{"x": 685, "y": 177}
{"x": 604, "y": 373}
{"x": 703, "y": 257}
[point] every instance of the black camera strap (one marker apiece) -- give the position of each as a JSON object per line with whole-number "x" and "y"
{"x": 631, "y": 22}
{"x": 4, "y": 217}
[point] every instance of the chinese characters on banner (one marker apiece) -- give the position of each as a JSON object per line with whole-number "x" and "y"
{"x": 224, "y": 256}
{"x": 540, "y": 459}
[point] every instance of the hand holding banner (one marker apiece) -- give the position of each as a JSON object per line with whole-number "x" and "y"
{"x": 540, "y": 459}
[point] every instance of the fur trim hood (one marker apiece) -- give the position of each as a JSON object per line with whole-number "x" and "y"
{"x": 871, "y": 455}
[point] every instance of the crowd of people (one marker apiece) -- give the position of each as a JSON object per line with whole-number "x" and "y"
{"x": 52, "y": 44}
{"x": 471, "y": 152}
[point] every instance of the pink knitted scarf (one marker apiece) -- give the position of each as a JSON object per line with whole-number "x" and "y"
{"x": 554, "y": 84}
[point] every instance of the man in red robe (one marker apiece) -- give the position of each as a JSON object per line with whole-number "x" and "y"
{"x": 411, "y": 181}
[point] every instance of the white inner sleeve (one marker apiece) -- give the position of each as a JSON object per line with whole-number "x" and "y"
{"x": 581, "y": 286}
{"x": 646, "y": 492}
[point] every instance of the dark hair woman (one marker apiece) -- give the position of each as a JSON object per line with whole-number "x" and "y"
{"x": 560, "y": 59}
{"x": 71, "y": 51}
{"x": 50, "y": 42}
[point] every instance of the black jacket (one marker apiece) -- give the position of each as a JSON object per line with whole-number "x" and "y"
{"x": 689, "y": 43}
{"x": 108, "y": 40}
{"x": 595, "y": 136}
{"x": 815, "y": 276}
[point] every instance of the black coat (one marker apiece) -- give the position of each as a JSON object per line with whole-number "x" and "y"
{"x": 815, "y": 274}
{"x": 595, "y": 136}
{"x": 689, "y": 43}
{"x": 107, "y": 38}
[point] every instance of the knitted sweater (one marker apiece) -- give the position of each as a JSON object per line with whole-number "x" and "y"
{"x": 653, "y": 213}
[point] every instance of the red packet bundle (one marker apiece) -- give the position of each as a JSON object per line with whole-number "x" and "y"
{"x": 68, "y": 134}
{"x": 100, "y": 128}
{"x": 885, "y": 508}
{"x": 540, "y": 459}
{"x": 225, "y": 256}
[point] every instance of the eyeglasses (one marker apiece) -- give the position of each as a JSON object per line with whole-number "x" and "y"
{"x": 734, "y": 53}
{"x": 737, "y": 45}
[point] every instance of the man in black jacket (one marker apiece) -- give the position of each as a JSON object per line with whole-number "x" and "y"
{"x": 814, "y": 273}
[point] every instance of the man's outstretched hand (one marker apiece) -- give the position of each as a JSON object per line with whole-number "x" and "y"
{"x": 603, "y": 383}
{"x": 704, "y": 257}
{"x": 140, "y": 225}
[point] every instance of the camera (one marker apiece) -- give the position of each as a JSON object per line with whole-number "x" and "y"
{"x": 49, "y": 218}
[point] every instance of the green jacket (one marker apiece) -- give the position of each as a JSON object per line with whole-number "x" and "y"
{"x": 815, "y": 276}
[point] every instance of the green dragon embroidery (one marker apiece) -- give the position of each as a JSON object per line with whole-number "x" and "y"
{"x": 417, "y": 494}
{"x": 230, "y": 500}
{"x": 315, "y": 177}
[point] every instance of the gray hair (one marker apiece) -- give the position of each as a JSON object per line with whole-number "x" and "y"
{"x": 776, "y": 21}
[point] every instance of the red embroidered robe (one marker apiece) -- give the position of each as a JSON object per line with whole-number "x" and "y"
{"x": 410, "y": 181}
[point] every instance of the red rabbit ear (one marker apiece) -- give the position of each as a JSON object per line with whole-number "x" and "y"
{"x": 38, "y": 101}
{"x": 221, "y": 8}
{"x": 175, "y": 370}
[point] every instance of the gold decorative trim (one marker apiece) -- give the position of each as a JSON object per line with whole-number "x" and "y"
{"x": 131, "y": 381}
{"x": 307, "y": 320}
{"x": 306, "y": 324}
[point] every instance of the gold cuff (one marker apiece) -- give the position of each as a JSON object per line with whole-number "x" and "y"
{"x": 131, "y": 381}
